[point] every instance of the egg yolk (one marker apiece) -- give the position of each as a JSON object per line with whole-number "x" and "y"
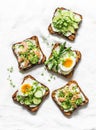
{"x": 68, "y": 62}
{"x": 26, "y": 88}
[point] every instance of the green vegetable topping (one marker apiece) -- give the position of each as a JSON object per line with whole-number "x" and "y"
{"x": 69, "y": 96}
{"x": 36, "y": 101}
{"x": 10, "y": 81}
{"x": 49, "y": 80}
{"x": 38, "y": 94}
{"x": 61, "y": 94}
{"x": 34, "y": 95}
{"x": 42, "y": 74}
{"x": 30, "y": 44}
{"x": 79, "y": 101}
{"x": 29, "y": 52}
{"x": 20, "y": 98}
{"x": 56, "y": 57}
{"x": 65, "y": 21}
{"x": 25, "y": 100}
{"x": 21, "y": 46}
{"x": 66, "y": 105}
{"x": 10, "y": 69}
{"x": 33, "y": 58}
{"x": 69, "y": 99}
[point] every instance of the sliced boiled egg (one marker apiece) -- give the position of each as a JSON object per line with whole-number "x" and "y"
{"x": 25, "y": 89}
{"x": 67, "y": 64}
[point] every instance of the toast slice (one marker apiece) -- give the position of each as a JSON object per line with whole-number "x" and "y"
{"x": 64, "y": 70}
{"x": 31, "y": 99}
{"x": 69, "y": 98}
{"x": 28, "y": 53}
{"x": 68, "y": 25}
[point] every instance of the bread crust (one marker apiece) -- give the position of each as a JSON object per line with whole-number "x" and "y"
{"x": 38, "y": 45}
{"x": 71, "y": 37}
{"x": 70, "y": 112}
{"x": 78, "y": 53}
{"x": 34, "y": 109}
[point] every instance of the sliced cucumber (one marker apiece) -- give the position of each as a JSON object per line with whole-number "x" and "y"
{"x": 38, "y": 94}
{"x": 36, "y": 101}
{"x": 77, "y": 18}
{"x": 75, "y": 25}
{"x": 50, "y": 65}
{"x": 71, "y": 29}
{"x": 26, "y": 102}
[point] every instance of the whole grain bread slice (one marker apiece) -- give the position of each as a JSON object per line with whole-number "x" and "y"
{"x": 78, "y": 53}
{"x": 72, "y": 36}
{"x": 70, "y": 112}
{"x": 38, "y": 45}
{"x": 34, "y": 109}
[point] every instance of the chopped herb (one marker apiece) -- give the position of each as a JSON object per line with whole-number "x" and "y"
{"x": 35, "y": 83}
{"x": 21, "y": 46}
{"x": 69, "y": 96}
{"x": 66, "y": 105}
{"x": 10, "y": 81}
{"x": 54, "y": 78}
{"x": 46, "y": 88}
{"x": 52, "y": 44}
{"x": 33, "y": 58}
{"x": 42, "y": 74}
{"x": 79, "y": 101}
{"x": 51, "y": 76}
{"x": 30, "y": 55}
{"x": 10, "y": 69}
{"x": 61, "y": 94}
{"x": 45, "y": 40}
{"x": 49, "y": 80}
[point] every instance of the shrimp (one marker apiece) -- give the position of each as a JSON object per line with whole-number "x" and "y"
{"x": 26, "y": 63}
{"x": 25, "y": 47}
{"x": 37, "y": 53}
{"x": 76, "y": 97}
{"x": 20, "y": 59}
{"x": 61, "y": 99}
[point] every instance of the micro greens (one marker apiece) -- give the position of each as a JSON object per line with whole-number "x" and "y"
{"x": 10, "y": 69}
{"x": 10, "y": 81}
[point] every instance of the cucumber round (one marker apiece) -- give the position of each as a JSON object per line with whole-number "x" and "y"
{"x": 26, "y": 102}
{"x": 36, "y": 101}
{"x": 38, "y": 94}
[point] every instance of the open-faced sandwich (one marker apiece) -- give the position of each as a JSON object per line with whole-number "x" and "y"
{"x": 69, "y": 98}
{"x": 31, "y": 93}
{"x": 63, "y": 60}
{"x": 28, "y": 53}
{"x": 65, "y": 23}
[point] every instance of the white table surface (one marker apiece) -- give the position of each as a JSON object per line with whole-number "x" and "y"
{"x": 20, "y": 19}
